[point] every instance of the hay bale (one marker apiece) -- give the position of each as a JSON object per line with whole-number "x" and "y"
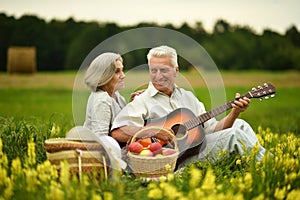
{"x": 21, "y": 60}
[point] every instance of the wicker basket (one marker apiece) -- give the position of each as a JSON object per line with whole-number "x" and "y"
{"x": 153, "y": 167}
{"x": 83, "y": 157}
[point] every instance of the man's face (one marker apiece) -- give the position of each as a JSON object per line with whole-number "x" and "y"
{"x": 163, "y": 74}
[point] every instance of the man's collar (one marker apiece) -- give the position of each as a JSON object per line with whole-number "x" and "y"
{"x": 153, "y": 91}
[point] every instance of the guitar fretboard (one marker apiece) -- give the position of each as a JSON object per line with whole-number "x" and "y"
{"x": 210, "y": 114}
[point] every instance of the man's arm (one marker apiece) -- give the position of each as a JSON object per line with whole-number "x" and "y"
{"x": 237, "y": 107}
{"x": 124, "y": 133}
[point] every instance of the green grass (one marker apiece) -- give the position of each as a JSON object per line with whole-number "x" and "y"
{"x": 281, "y": 113}
{"x": 42, "y": 103}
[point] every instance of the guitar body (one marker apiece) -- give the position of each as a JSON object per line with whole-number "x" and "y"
{"x": 189, "y": 141}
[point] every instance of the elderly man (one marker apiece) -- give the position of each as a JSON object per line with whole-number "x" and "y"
{"x": 163, "y": 96}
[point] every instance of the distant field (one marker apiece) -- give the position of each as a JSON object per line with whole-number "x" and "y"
{"x": 49, "y": 95}
{"x": 65, "y": 80}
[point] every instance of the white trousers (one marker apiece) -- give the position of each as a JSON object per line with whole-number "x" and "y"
{"x": 240, "y": 139}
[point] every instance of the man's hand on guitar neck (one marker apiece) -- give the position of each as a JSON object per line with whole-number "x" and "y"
{"x": 238, "y": 106}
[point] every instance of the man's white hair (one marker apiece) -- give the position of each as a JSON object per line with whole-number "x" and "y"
{"x": 163, "y": 51}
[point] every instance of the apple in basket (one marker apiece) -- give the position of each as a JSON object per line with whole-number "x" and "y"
{"x": 156, "y": 148}
{"x": 146, "y": 152}
{"x": 135, "y": 147}
{"x": 167, "y": 151}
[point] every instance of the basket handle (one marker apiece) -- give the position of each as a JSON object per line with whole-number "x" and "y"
{"x": 153, "y": 131}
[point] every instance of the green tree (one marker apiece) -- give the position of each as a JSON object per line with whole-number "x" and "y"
{"x": 7, "y": 25}
{"x": 81, "y": 46}
{"x": 293, "y": 35}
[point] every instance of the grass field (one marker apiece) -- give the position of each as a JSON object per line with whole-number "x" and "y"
{"x": 36, "y": 107}
{"x": 49, "y": 95}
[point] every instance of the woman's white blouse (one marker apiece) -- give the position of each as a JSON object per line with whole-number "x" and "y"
{"x": 101, "y": 111}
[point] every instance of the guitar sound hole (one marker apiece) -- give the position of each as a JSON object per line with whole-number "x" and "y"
{"x": 179, "y": 130}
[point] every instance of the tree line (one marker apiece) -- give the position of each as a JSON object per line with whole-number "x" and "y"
{"x": 63, "y": 44}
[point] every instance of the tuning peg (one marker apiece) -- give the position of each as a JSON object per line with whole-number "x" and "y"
{"x": 266, "y": 84}
{"x": 260, "y": 99}
{"x": 272, "y": 95}
{"x": 267, "y": 97}
{"x": 254, "y": 89}
{"x": 259, "y": 87}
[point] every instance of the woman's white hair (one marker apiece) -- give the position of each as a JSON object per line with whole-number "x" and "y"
{"x": 163, "y": 51}
{"x": 101, "y": 70}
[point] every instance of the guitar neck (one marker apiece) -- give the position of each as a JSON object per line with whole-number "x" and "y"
{"x": 212, "y": 113}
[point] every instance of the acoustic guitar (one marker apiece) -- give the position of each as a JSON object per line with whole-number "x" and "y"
{"x": 189, "y": 129}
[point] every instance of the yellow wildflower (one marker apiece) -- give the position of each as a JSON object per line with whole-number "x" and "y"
{"x": 31, "y": 157}
{"x": 31, "y": 179}
{"x": 292, "y": 176}
{"x": 170, "y": 176}
{"x": 55, "y": 192}
{"x": 16, "y": 169}
{"x": 171, "y": 191}
{"x": 209, "y": 184}
{"x": 254, "y": 151}
{"x": 196, "y": 193}
{"x": 248, "y": 179}
{"x": 64, "y": 173}
{"x": 46, "y": 171}
{"x": 168, "y": 167}
{"x": 279, "y": 193}
{"x": 260, "y": 139}
{"x": 108, "y": 196}
{"x": 96, "y": 197}
{"x": 3, "y": 176}
{"x": 294, "y": 194}
{"x": 9, "y": 191}
{"x": 162, "y": 178}
{"x": 55, "y": 129}
{"x": 259, "y": 197}
{"x": 195, "y": 177}
{"x": 155, "y": 193}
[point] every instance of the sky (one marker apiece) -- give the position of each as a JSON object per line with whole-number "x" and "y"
{"x": 277, "y": 15}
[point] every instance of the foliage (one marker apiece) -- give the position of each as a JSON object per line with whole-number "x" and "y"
{"x": 232, "y": 177}
{"x": 18, "y": 132}
{"x": 64, "y": 44}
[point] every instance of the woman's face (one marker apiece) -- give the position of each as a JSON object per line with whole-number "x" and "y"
{"x": 117, "y": 82}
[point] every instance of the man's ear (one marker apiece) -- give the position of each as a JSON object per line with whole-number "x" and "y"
{"x": 177, "y": 70}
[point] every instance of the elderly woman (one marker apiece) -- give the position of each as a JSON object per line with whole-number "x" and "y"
{"x": 104, "y": 77}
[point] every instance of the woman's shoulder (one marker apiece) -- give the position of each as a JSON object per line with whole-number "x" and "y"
{"x": 101, "y": 96}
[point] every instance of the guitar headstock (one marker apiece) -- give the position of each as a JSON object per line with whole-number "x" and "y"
{"x": 262, "y": 91}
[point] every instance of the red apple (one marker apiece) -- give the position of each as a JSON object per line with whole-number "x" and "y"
{"x": 135, "y": 147}
{"x": 167, "y": 152}
{"x": 146, "y": 152}
{"x": 155, "y": 147}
